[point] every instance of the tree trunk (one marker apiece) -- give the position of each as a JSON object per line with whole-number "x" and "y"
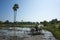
{"x": 15, "y": 12}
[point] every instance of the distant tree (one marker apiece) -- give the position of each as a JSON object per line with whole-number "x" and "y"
{"x": 37, "y": 23}
{"x": 53, "y": 21}
{"x": 41, "y": 22}
{"x": 45, "y": 23}
{"x": 0, "y": 21}
{"x": 6, "y": 22}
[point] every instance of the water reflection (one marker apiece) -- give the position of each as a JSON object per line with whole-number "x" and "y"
{"x": 18, "y": 31}
{"x": 22, "y": 32}
{"x": 48, "y": 35}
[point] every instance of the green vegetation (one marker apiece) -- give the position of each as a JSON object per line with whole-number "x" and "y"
{"x": 53, "y": 26}
{"x": 18, "y": 24}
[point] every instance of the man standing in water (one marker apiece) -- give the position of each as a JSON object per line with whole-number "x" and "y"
{"x": 36, "y": 28}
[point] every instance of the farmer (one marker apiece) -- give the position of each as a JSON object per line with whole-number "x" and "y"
{"x": 36, "y": 28}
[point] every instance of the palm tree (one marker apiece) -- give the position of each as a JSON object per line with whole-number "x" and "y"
{"x": 15, "y": 7}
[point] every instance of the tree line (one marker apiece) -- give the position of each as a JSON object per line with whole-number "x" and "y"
{"x": 6, "y": 22}
{"x": 55, "y": 23}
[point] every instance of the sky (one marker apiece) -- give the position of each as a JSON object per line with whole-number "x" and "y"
{"x": 30, "y": 10}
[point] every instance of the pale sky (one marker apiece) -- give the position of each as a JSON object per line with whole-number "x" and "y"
{"x": 30, "y": 10}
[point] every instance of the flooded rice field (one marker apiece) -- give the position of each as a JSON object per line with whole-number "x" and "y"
{"x": 22, "y": 34}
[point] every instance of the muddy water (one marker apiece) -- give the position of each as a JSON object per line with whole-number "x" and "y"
{"x": 48, "y": 35}
{"x": 22, "y": 32}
